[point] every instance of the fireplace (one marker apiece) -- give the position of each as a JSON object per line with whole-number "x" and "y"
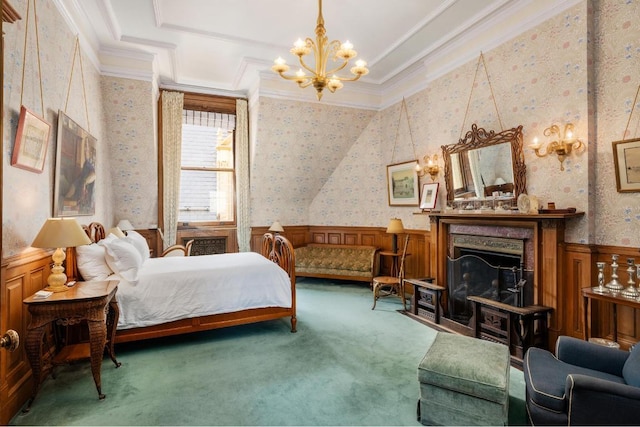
{"x": 504, "y": 253}
{"x": 489, "y": 267}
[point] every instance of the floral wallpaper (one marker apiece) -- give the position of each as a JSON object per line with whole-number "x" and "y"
{"x": 67, "y": 85}
{"x": 617, "y": 61}
{"x": 296, "y": 148}
{"x": 133, "y": 150}
{"x": 320, "y": 164}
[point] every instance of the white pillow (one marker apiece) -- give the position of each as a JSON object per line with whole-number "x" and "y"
{"x": 140, "y": 243}
{"x": 92, "y": 263}
{"x": 122, "y": 257}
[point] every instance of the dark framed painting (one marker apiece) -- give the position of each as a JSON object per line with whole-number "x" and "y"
{"x": 626, "y": 158}
{"x": 75, "y": 178}
{"x": 32, "y": 139}
{"x": 402, "y": 184}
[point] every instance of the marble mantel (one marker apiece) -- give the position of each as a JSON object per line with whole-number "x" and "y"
{"x": 547, "y": 245}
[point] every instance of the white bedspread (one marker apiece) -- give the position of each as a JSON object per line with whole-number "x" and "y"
{"x": 174, "y": 288}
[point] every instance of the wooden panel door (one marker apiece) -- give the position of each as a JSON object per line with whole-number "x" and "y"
{"x": 7, "y": 359}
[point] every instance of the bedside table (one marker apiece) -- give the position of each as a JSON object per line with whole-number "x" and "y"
{"x": 94, "y": 302}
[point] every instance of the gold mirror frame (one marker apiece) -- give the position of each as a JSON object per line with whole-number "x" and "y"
{"x": 480, "y": 138}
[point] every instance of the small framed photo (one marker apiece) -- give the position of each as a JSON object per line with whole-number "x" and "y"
{"x": 32, "y": 139}
{"x": 626, "y": 157}
{"x": 429, "y": 196}
{"x": 402, "y": 184}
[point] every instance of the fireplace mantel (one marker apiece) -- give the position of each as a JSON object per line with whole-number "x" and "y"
{"x": 547, "y": 231}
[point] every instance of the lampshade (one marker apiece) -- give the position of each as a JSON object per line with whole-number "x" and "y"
{"x": 60, "y": 233}
{"x": 499, "y": 181}
{"x": 395, "y": 226}
{"x": 276, "y": 227}
{"x": 125, "y": 225}
{"x": 116, "y": 232}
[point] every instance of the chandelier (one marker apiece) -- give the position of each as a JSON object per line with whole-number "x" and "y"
{"x": 322, "y": 50}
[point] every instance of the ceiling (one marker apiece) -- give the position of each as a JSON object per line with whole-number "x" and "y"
{"x": 228, "y": 46}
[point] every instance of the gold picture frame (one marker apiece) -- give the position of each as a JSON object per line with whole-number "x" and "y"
{"x": 402, "y": 184}
{"x": 626, "y": 158}
{"x": 32, "y": 140}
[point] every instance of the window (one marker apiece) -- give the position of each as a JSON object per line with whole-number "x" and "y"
{"x": 207, "y": 178}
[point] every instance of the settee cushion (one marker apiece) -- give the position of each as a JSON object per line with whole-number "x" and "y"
{"x": 336, "y": 260}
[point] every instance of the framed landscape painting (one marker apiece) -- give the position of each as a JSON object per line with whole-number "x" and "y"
{"x": 75, "y": 170}
{"x": 402, "y": 184}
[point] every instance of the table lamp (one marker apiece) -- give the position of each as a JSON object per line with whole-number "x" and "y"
{"x": 60, "y": 233}
{"x": 395, "y": 227}
{"x": 125, "y": 226}
{"x": 276, "y": 227}
{"x": 116, "y": 232}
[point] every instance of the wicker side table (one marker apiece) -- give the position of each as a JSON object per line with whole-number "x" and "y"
{"x": 94, "y": 302}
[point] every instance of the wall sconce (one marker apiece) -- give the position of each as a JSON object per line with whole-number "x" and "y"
{"x": 562, "y": 146}
{"x": 430, "y": 167}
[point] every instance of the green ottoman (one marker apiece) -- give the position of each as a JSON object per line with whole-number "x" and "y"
{"x": 464, "y": 381}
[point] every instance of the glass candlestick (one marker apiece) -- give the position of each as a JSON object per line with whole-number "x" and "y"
{"x": 614, "y": 284}
{"x": 630, "y": 291}
{"x": 601, "y": 288}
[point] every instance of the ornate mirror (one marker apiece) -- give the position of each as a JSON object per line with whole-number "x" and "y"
{"x": 485, "y": 164}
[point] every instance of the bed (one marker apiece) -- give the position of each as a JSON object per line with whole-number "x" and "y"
{"x": 176, "y": 295}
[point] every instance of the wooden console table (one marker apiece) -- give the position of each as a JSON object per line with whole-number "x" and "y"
{"x": 517, "y": 327}
{"x": 614, "y": 298}
{"x": 94, "y": 302}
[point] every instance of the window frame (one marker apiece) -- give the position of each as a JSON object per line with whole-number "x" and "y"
{"x": 207, "y": 103}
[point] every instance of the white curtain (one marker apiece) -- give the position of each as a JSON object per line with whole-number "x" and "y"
{"x": 172, "y": 105}
{"x": 242, "y": 175}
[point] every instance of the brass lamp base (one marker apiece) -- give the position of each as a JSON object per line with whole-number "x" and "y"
{"x": 57, "y": 288}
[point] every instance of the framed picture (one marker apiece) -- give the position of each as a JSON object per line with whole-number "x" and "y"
{"x": 429, "y": 196}
{"x": 32, "y": 139}
{"x": 402, "y": 184}
{"x": 75, "y": 170}
{"x": 626, "y": 157}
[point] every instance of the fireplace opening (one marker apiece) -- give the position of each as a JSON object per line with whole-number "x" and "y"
{"x": 491, "y": 268}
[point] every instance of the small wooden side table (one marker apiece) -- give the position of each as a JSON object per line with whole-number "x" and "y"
{"x": 94, "y": 302}
{"x": 614, "y": 298}
{"x": 394, "y": 261}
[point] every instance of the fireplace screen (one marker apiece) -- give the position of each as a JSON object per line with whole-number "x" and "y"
{"x": 498, "y": 277}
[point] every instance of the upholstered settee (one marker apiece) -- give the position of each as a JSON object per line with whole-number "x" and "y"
{"x": 344, "y": 262}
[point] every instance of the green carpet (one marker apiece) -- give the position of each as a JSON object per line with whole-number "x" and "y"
{"x": 346, "y": 365}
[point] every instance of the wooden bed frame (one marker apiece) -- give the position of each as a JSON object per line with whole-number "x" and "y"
{"x": 274, "y": 247}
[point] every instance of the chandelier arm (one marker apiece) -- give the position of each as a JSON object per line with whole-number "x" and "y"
{"x": 335, "y": 70}
{"x": 305, "y": 84}
{"x": 305, "y": 66}
{"x": 350, "y": 79}
{"x": 286, "y": 77}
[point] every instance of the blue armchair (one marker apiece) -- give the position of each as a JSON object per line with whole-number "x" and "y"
{"x": 583, "y": 384}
